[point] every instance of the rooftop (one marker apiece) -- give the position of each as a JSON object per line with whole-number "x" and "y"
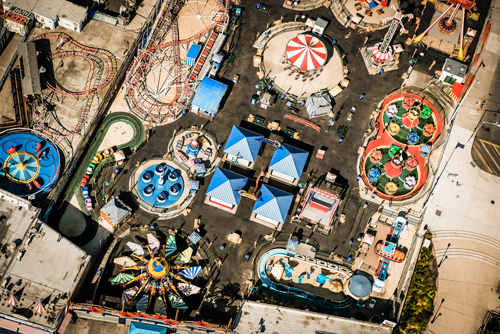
{"x": 273, "y": 203}
{"x": 116, "y": 210}
{"x": 243, "y": 143}
{"x": 48, "y": 9}
{"x": 225, "y": 185}
{"x": 44, "y": 267}
{"x": 72, "y": 12}
{"x": 209, "y": 94}
{"x": 289, "y": 160}
{"x": 254, "y": 316}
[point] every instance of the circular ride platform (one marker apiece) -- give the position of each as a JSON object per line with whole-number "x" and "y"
{"x": 301, "y": 64}
{"x": 29, "y": 163}
{"x": 160, "y": 185}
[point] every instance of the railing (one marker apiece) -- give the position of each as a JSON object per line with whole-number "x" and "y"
{"x": 262, "y": 39}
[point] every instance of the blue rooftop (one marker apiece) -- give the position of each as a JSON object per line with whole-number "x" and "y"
{"x": 273, "y": 203}
{"x": 289, "y": 160}
{"x": 142, "y": 328}
{"x": 243, "y": 143}
{"x": 209, "y": 94}
{"x": 225, "y": 185}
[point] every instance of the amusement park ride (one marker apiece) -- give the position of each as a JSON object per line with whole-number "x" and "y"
{"x": 377, "y": 56}
{"x": 387, "y": 250}
{"x": 447, "y": 25}
{"x": 162, "y": 273}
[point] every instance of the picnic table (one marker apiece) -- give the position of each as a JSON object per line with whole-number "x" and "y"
{"x": 264, "y": 8}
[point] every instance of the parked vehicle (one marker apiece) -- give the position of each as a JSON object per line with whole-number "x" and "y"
{"x": 88, "y": 204}
{"x": 85, "y": 192}
{"x": 236, "y": 78}
{"x": 84, "y": 180}
{"x": 351, "y": 114}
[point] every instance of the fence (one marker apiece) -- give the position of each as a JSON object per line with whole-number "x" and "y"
{"x": 262, "y": 39}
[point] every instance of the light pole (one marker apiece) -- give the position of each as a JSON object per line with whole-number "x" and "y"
{"x": 479, "y": 126}
{"x": 444, "y": 256}
{"x": 106, "y": 183}
{"x": 438, "y": 314}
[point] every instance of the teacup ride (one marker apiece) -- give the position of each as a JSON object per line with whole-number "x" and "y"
{"x": 173, "y": 176}
{"x": 375, "y": 156}
{"x": 407, "y": 102}
{"x": 147, "y": 176}
{"x": 412, "y": 138}
{"x": 411, "y": 164}
{"x": 159, "y": 170}
{"x": 391, "y": 111}
{"x": 390, "y": 188}
{"x": 393, "y": 150}
{"x": 393, "y": 128}
{"x": 426, "y": 112}
{"x": 428, "y": 130}
{"x": 373, "y": 174}
{"x": 148, "y": 190}
{"x": 162, "y": 197}
{"x": 175, "y": 189}
{"x": 410, "y": 182}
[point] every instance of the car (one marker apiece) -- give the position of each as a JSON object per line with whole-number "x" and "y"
{"x": 236, "y": 78}
{"x": 181, "y": 155}
{"x": 372, "y": 304}
{"x": 84, "y": 180}
{"x": 255, "y": 98}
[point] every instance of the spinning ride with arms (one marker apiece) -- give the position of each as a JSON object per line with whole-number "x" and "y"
{"x": 162, "y": 273}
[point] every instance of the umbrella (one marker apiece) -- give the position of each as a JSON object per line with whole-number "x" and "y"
{"x": 191, "y": 273}
{"x": 40, "y": 308}
{"x": 154, "y": 244}
{"x": 160, "y": 307}
{"x": 184, "y": 257}
{"x": 142, "y": 304}
{"x": 136, "y": 248}
{"x": 171, "y": 246}
{"x": 177, "y": 302}
{"x": 188, "y": 289}
{"x": 306, "y": 52}
{"x": 125, "y": 261}
{"x": 122, "y": 278}
{"x": 13, "y": 301}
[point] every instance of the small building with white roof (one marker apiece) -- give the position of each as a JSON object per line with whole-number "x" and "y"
{"x": 72, "y": 16}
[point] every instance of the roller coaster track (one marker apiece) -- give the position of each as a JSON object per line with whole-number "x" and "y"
{"x": 134, "y": 92}
{"x": 93, "y": 56}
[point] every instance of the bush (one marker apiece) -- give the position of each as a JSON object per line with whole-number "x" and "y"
{"x": 419, "y": 304}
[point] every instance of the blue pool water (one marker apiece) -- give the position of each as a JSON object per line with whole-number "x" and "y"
{"x": 152, "y": 199}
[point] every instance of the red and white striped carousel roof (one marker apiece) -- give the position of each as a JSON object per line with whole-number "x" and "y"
{"x": 306, "y": 52}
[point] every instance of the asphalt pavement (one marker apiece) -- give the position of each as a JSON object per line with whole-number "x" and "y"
{"x": 339, "y": 158}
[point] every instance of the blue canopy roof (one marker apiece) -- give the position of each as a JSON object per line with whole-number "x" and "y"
{"x": 243, "y": 143}
{"x": 289, "y": 160}
{"x": 209, "y": 94}
{"x": 142, "y": 328}
{"x": 225, "y": 185}
{"x": 273, "y": 203}
{"x": 193, "y": 52}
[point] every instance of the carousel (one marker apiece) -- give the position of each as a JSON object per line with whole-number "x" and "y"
{"x": 160, "y": 277}
{"x": 305, "y": 56}
{"x": 29, "y": 163}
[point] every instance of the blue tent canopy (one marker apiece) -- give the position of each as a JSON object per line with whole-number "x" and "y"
{"x": 289, "y": 160}
{"x": 142, "y": 328}
{"x": 225, "y": 185}
{"x": 273, "y": 203}
{"x": 209, "y": 95}
{"x": 243, "y": 143}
